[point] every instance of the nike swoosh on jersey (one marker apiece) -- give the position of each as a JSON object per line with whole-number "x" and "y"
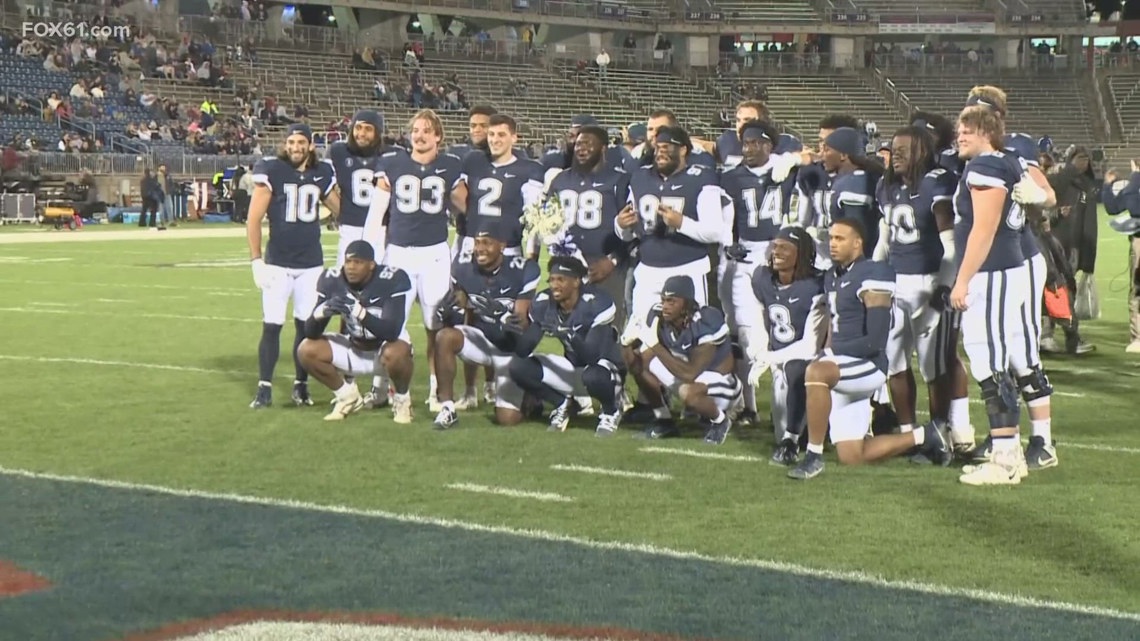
{"x": 793, "y": 300}
{"x": 845, "y": 284}
{"x": 599, "y": 184}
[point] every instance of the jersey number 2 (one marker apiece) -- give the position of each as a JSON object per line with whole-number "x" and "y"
{"x": 489, "y": 201}
{"x": 302, "y": 203}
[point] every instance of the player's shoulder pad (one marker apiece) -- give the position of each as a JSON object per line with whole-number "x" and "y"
{"x": 996, "y": 166}
{"x": 393, "y": 153}
{"x": 531, "y": 270}
{"x": 709, "y": 317}
{"x": 396, "y": 280}
{"x": 265, "y": 165}
{"x": 599, "y": 299}
{"x": 878, "y": 271}
{"x": 811, "y": 286}
{"x": 542, "y": 298}
{"x": 336, "y": 151}
{"x": 786, "y": 143}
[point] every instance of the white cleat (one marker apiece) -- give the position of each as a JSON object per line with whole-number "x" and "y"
{"x": 607, "y": 424}
{"x": 434, "y": 406}
{"x": 351, "y": 403}
{"x": 402, "y": 409}
{"x": 489, "y": 393}
{"x": 1005, "y": 469}
{"x": 1133, "y": 348}
{"x": 468, "y": 402}
{"x": 585, "y": 405}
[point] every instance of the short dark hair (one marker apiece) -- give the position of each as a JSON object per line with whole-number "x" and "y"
{"x": 837, "y": 121}
{"x": 597, "y": 132}
{"x": 567, "y": 263}
{"x": 854, "y": 224}
{"x": 504, "y": 119}
{"x": 664, "y": 113}
{"x": 482, "y": 110}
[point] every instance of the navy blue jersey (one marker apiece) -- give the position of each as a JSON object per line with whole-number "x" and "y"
{"x": 616, "y": 158}
{"x": 384, "y": 296}
{"x": 787, "y": 308}
{"x": 354, "y": 176}
{"x": 845, "y": 290}
{"x": 488, "y": 292}
{"x": 595, "y": 308}
{"x": 1023, "y": 147}
{"x": 853, "y": 195}
{"x": 660, "y": 245}
{"x": 949, "y": 160}
{"x": 461, "y": 149}
{"x": 591, "y": 203}
{"x": 760, "y": 204}
{"x": 814, "y": 185}
{"x": 417, "y": 210}
{"x": 500, "y": 192}
{"x": 914, "y": 242}
{"x": 1001, "y": 171}
{"x": 294, "y": 211}
{"x": 730, "y": 152}
{"x": 706, "y": 327}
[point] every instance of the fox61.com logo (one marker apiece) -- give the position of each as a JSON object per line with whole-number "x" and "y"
{"x": 73, "y": 29}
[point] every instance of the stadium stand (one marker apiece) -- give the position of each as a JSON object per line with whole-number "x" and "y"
{"x": 1057, "y": 11}
{"x": 921, "y": 7}
{"x": 774, "y": 11}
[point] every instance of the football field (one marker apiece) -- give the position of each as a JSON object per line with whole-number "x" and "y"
{"x": 141, "y": 498}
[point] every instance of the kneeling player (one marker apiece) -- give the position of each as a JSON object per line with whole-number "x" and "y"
{"x": 789, "y": 332}
{"x": 370, "y": 300}
{"x": 684, "y": 348}
{"x": 581, "y": 318}
{"x": 493, "y": 291}
{"x": 841, "y": 382}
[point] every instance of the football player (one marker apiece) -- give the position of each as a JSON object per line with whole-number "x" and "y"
{"x": 371, "y": 301}
{"x": 1031, "y": 192}
{"x": 616, "y": 156}
{"x": 729, "y": 149}
{"x": 354, "y": 162}
{"x": 580, "y": 317}
{"x": 813, "y": 184}
{"x": 841, "y": 382}
{"x": 288, "y": 189}
{"x": 853, "y": 185}
{"x": 682, "y": 347}
{"x": 991, "y": 287}
{"x": 915, "y": 197}
{"x": 790, "y": 330}
{"x": 645, "y": 154}
{"x": 413, "y": 190}
{"x": 944, "y": 133}
{"x": 478, "y": 122}
{"x": 760, "y": 205}
{"x": 488, "y": 288}
{"x": 675, "y": 210}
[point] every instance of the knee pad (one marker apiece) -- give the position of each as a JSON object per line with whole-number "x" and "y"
{"x": 596, "y": 377}
{"x": 1034, "y": 385}
{"x": 526, "y": 372}
{"x": 1000, "y": 395}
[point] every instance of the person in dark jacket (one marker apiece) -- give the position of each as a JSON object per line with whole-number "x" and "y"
{"x": 1078, "y": 193}
{"x": 151, "y": 193}
{"x": 1120, "y": 196}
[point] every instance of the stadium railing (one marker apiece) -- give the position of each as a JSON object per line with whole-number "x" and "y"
{"x": 921, "y": 63}
{"x": 178, "y": 162}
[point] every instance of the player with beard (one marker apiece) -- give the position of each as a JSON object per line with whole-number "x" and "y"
{"x": 813, "y": 184}
{"x": 645, "y": 153}
{"x": 855, "y": 178}
{"x": 760, "y": 205}
{"x": 841, "y": 381}
{"x": 371, "y": 301}
{"x": 789, "y": 332}
{"x": 354, "y": 162}
{"x": 1032, "y": 193}
{"x": 288, "y": 190}
{"x": 729, "y": 150}
{"x": 616, "y": 156}
{"x": 916, "y": 199}
{"x": 580, "y": 317}
{"x": 413, "y": 191}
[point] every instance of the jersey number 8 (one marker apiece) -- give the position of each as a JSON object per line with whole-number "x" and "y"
{"x": 302, "y": 203}
{"x": 409, "y": 194}
{"x": 582, "y": 209}
{"x": 780, "y": 319}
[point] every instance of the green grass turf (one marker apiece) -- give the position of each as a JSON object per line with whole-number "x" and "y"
{"x": 1064, "y": 534}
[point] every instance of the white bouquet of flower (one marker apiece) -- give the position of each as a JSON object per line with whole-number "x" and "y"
{"x": 544, "y": 219}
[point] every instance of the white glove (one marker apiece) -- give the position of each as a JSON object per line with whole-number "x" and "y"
{"x": 782, "y": 166}
{"x": 632, "y": 332}
{"x": 813, "y": 232}
{"x": 263, "y": 275}
{"x": 756, "y": 371}
{"x": 1028, "y": 192}
{"x": 359, "y": 311}
{"x": 648, "y": 335}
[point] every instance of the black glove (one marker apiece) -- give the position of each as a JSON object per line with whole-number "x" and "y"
{"x": 340, "y": 305}
{"x": 737, "y": 252}
{"x": 940, "y": 299}
{"x": 512, "y": 324}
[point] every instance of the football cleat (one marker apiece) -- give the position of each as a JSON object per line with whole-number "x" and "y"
{"x": 433, "y": 404}
{"x": 1002, "y": 469}
{"x": 747, "y": 418}
{"x": 638, "y": 413}
{"x": 786, "y": 454}
{"x": 661, "y": 428}
{"x": 809, "y": 468}
{"x": 984, "y": 451}
{"x": 718, "y": 432}
{"x": 263, "y": 399}
{"x": 301, "y": 395}
{"x": 936, "y": 445}
{"x": 467, "y": 402}
{"x": 445, "y": 419}
{"x": 402, "y": 409}
{"x": 375, "y": 399}
{"x": 560, "y": 417}
{"x": 607, "y": 424}
{"x": 1040, "y": 455}
{"x": 349, "y": 404}
{"x": 488, "y": 393}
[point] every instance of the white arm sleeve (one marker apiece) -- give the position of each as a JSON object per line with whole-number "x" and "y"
{"x": 709, "y": 225}
{"x": 374, "y": 229}
{"x": 626, "y": 235}
{"x": 803, "y": 214}
{"x": 883, "y": 247}
{"x": 948, "y": 269}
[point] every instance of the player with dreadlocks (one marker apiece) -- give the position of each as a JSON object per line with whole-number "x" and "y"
{"x": 942, "y": 130}
{"x": 791, "y": 329}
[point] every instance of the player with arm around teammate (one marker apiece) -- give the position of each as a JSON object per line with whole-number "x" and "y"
{"x": 288, "y": 190}
{"x": 354, "y": 162}
{"x": 413, "y": 190}
{"x": 370, "y": 299}
{"x": 683, "y": 347}
{"x": 853, "y": 187}
{"x": 580, "y": 317}
{"x": 494, "y": 291}
{"x": 841, "y": 381}
{"x": 790, "y": 329}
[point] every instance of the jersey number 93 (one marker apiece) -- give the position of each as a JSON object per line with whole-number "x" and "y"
{"x": 413, "y": 195}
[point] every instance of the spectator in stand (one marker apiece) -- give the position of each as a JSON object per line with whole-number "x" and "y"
{"x": 603, "y": 62}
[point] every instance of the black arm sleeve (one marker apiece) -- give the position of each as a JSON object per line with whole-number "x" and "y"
{"x": 872, "y": 342}
{"x": 387, "y": 326}
{"x": 528, "y": 341}
{"x": 315, "y": 327}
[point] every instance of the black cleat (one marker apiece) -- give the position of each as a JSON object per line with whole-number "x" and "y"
{"x": 786, "y": 454}
{"x": 301, "y": 397}
{"x": 661, "y": 428}
{"x": 263, "y": 399}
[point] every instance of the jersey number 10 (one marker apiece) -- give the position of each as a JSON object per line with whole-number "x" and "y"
{"x": 302, "y": 203}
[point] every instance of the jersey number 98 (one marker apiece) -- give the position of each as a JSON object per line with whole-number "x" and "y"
{"x": 582, "y": 209}
{"x": 302, "y": 203}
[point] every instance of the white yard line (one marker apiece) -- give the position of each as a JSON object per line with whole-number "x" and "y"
{"x": 91, "y": 236}
{"x": 744, "y": 458}
{"x": 605, "y": 471}
{"x": 85, "y": 312}
{"x": 639, "y": 548}
{"x": 93, "y": 361}
{"x": 506, "y": 491}
{"x": 1099, "y": 448}
{"x": 250, "y": 291}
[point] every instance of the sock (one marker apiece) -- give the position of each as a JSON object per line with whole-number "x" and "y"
{"x": 301, "y": 375}
{"x": 345, "y": 391}
{"x": 909, "y": 427}
{"x": 1044, "y": 429}
{"x": 959, "y": 412}
{"x": 919, "y": 435}
{"x": 400, "y": 398}
{"x": 1006, "y": 444}
{"x": 719, "y": 418}
{"x": 268, "y": 351}
{"x": 433, "y": 385}
{"x": 448, "y": 406}
{"x": 662, "y": 413}
{"x": 265, "y": 384}
{"x": 790, "y": 436}
{"x": 812, "y": 448}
